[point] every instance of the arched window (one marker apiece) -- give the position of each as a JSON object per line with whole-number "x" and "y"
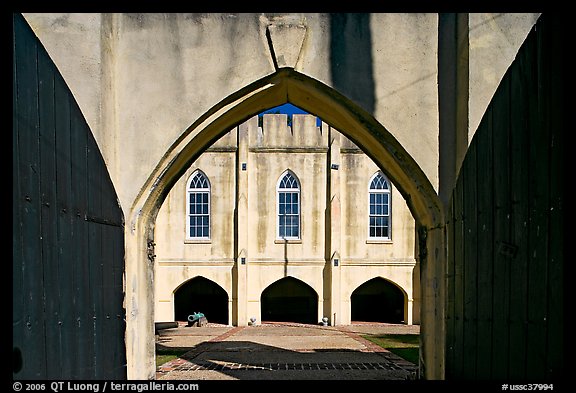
{"x": 288, "y": 197}
{"x": 198, "y": 207}
{"x": 380, "y": 206}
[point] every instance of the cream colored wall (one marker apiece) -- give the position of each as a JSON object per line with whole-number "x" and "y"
{"x": 155, "y": 74}
{"x": 112, "y": 61}
{"x": 170, "y": 276}
{"x": 261, "y": 275}
{"x": 272, "y": 149}
{"x": 172, "y": 227}
{"x": 494, "y": 41}
{"x": 179, "y": 259}
{"x": 141, "y": 80}
{"x": 361, "y": 258}
{"x": 271, "y": 154}
{"x": 356, "y": 171}
{"x": 355, "y": 275}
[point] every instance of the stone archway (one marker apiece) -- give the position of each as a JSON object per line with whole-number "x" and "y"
{"x": 390, "y": 299}
{"x": 289, "y": 300}
{"x": 286, "y": 85}
{"x": 200, "y": 294}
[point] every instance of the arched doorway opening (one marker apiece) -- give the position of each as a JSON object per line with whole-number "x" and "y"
{"x": 201, "y": 295}
{"x": 378, "y": 300}
{"x": 289, "y": 300}
{"x": 286, "y": 85}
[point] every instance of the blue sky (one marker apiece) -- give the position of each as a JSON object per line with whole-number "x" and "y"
{"x": 286, "y": 108}
{"x": 289, "y": 109}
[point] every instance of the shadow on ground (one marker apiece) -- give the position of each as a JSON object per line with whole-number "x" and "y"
{"x": 243, "y": 358}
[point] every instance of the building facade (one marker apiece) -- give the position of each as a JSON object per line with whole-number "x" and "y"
{"x": 156, "y": 89}
{"x": 318, "y": 228}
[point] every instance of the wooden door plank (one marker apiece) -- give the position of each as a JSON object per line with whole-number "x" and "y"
{"x": 459, "y": 243}
{"x": 470, "y": 272}
{"x": 503, "y": 251}
{"x": 520, "y": 196}
{"x": 554, "y": 105}
{"x": 48, "y": 214}
{"x": 538, "y": 218}
{"x": 33, "y": 339}
{"x": 82, "y": 279}
{"x": 450, "y": 292}
{"x": 17, "y": 239}
{"x": 94, "y": 212}
{"x": 484, "y": 207}
{"x": 65, "y": 223}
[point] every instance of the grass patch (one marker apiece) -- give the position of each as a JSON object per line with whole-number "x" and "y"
{"x": 166, "y": 355}
{"x": 407, "y": 346}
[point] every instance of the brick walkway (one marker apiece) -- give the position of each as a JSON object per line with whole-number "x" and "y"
{"x": 281, "y": 351}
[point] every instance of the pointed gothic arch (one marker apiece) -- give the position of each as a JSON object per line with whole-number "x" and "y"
{"x": 289, "y": 300}
{"x": 200, "y": 294}
{"x": 390, "y": 297}
{"x": 313, "y": 96}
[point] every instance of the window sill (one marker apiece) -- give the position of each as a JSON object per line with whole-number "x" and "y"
{"x": 379, "y": 241}
{"x": 288, "y": 241}
{"x": 197, "y": 241}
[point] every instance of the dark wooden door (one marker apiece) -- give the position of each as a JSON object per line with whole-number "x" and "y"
{"x": 68, "y": 231}
{"x": 505, "y": 282}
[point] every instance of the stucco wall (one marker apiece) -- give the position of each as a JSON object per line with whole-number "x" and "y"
{"x": 405, "y": 71}
{"x": 152, "y": 75}
{"x": 142, "y": 79}
{"x": 302, "y": 148}
{"x": 356, "y": 171}
{"x": 171, "y": 235}
{"x": 271, "y": 155}
{"x": 74, "y": 42}
{"x": 494, "y": 41}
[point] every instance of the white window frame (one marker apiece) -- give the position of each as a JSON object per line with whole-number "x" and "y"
{"x": 387, "y": 191}
{"x": 195, "y": 190}
{"x": 299, "y": 204}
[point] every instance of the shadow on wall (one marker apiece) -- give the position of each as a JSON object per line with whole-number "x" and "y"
{"x": 351, "y": 57}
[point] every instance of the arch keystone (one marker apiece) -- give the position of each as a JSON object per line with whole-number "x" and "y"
{"x": 285, "y": 42}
